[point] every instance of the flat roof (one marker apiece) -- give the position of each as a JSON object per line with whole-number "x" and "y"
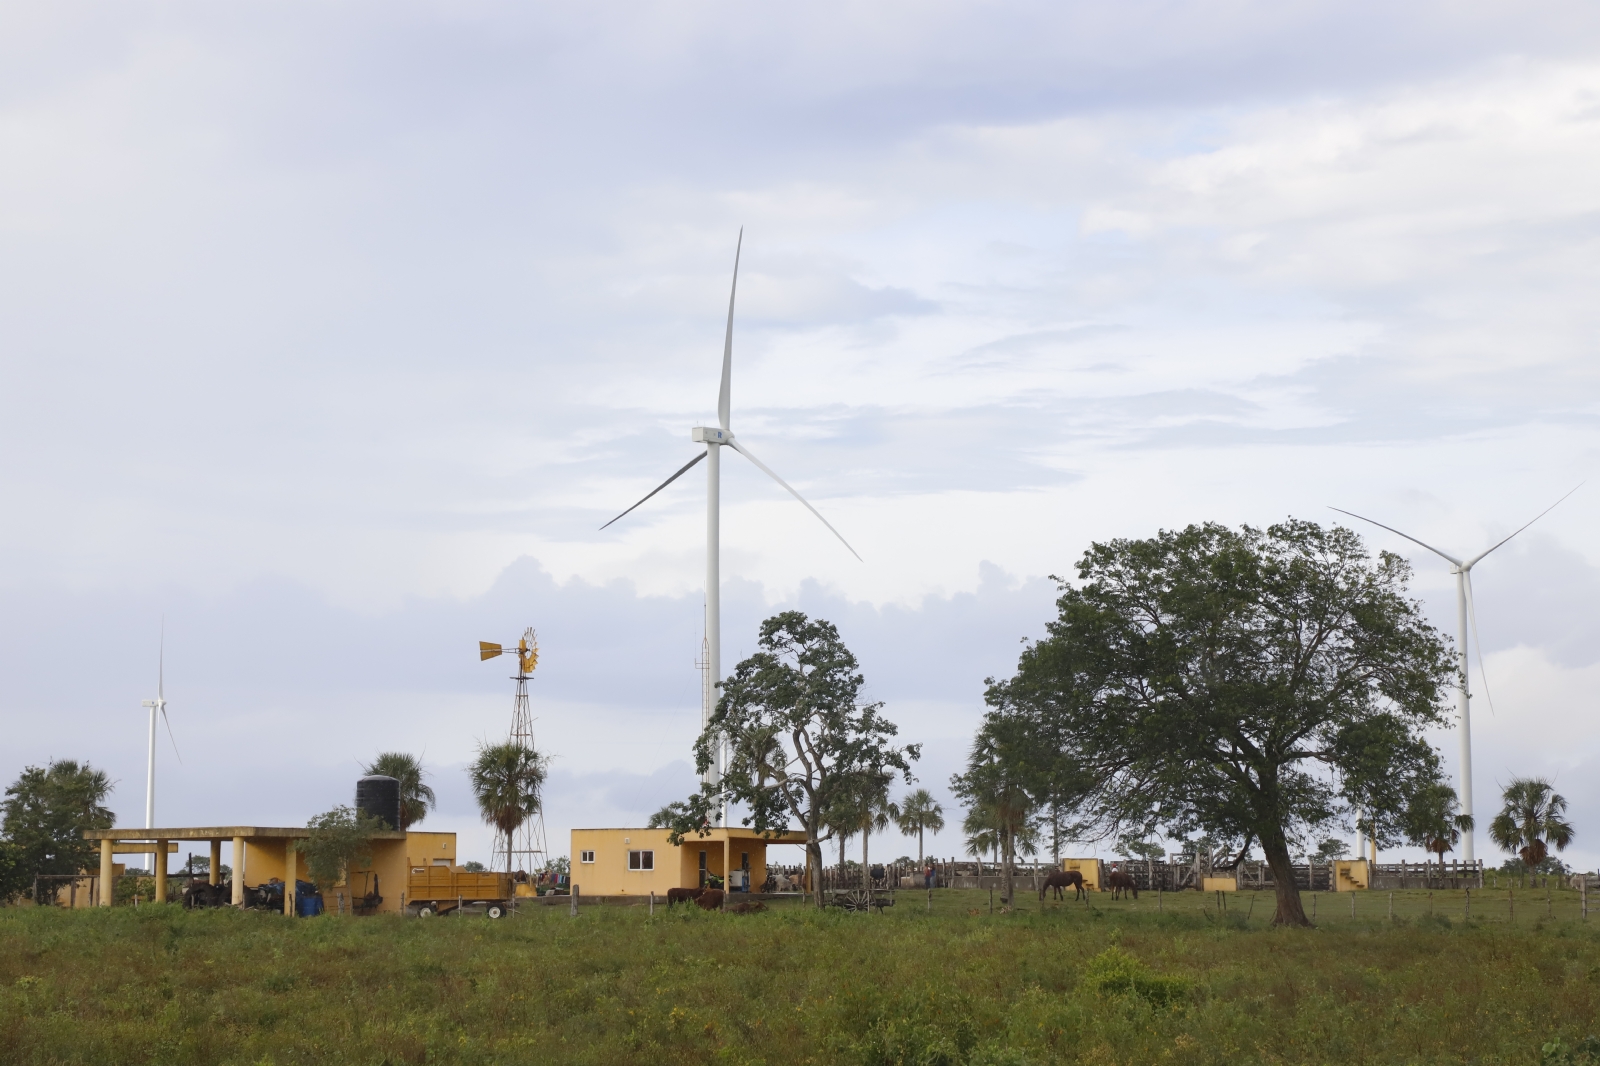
{"x": 718, "y": 832}
{"x": 220, "y": 832}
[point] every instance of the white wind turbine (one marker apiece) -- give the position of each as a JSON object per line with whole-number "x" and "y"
{"x": 1465, "y": 610}
{"x": 715, "y": 439}
{"x": 155, "y": 705}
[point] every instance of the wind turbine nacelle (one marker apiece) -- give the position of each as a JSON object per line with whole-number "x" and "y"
{"x": 710, "y": 435}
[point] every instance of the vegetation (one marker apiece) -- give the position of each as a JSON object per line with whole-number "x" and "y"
{"x": 1254, "y": 685}
{"x": 507, "y": 780}
{"x": 1052, "y": 983}
{"x": 1435, "y": 822}
{"x": 1001, "y": 811}
{"x": 918, "y": 813}
{"x": 45, "y": 814}
{"x": 416, "y": 797}
{"x": 803, "y": 747}
{"x": 340, "y": 841}
{"x": 1532, "y": 821}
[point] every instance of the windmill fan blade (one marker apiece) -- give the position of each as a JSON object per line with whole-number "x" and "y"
{"x": 768, "y": 471}
{"x": 1477, "y": 641}
{"x": 1395, "y": 531}
{"x": 724, "y": 395}
{"x": 170, "y": 737}
{"x": 487, "y": 650}
{"x": 1532, "y": 520}
{"x": 684, "y": 469}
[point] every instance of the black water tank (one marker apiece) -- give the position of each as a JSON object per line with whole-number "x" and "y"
{"x": 380, "y": 797}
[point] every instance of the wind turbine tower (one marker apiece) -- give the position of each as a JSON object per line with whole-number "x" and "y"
{"x": 1466, "y": 614}
{"x": 715, "y": 438}
{"x": 159, "y": 704}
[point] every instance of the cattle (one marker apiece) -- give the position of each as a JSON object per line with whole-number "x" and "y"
{"x": 1060, "y": 879}
{"x": 710, "y": 899}
{"x": 682, "y": 895}
{"x": 748, "y": 907}
{"x": 1119, "y": 883}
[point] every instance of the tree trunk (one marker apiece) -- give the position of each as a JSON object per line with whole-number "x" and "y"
{"x": 1290, "y": 912}
{"x": 919, "y": 850}
{"x": 866, "y": 871}
{"x": 814, "y": 869}
{"x": 1007, "y": 869}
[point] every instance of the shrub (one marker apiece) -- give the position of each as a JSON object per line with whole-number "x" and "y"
{"x": 1114, "y": 972}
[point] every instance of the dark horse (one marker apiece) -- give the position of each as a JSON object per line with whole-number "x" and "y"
{"x": 1119, "y": 883}
{"x": 1059, "y": 879}
{"x": 682, "y": 895}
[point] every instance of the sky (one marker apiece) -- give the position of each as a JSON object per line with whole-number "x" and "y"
{"x": 331, "y": 333}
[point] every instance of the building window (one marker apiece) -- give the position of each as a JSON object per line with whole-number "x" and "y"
{"x": 586, "y": 856}
{"x": 641, "y": 860}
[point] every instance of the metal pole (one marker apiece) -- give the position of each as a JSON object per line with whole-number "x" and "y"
{"x": 1464, "y": 710}
{"x": 150, "y": 787}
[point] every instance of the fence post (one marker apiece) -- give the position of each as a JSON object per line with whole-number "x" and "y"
{"x": 1583, "y": 895}
{"x": 1467, "y": 913}
{"x": 1511, "y": 903}
{"x": 574, "y": 901}
{"x": 1352, "y": 903}
{"x": 652, "y": 901}
{"x": 1391, "y": 908}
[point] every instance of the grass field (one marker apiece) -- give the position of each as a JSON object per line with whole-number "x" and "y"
{"x": 1108, "y": 982}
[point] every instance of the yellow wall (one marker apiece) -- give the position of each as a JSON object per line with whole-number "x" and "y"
{"x": 1089, "y": 868}
{"x": 390, "y": 864}
{"x": 428, "y": 849}
{"x": 1219, "y": 884}
{"x": 1350, "y": 874}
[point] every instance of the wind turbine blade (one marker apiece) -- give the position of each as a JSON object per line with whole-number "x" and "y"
{"x": 1530, "y": 522}
{"x": 161, "y": 663}
{"x": 1408, "y": 536}
{"x": 765, "y": 469}
{"x": 724, "y": 399}
{"x": 1477, "y": 641}
{"x": 170, "y": 737}
{"x": 681, "y": 471}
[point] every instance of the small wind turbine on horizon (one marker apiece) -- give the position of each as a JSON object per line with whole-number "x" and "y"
{"x": 155, "y": 705}
{"x": 715, "y": 439}
{"x": 1465, "y": 612}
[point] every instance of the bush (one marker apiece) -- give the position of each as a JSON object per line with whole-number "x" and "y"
{"x": 1114, "y": 972}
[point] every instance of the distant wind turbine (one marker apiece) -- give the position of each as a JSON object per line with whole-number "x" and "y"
{"x": 1464, "y": 610}
{"x": 155, "y": 705}
{"x": 715, "y": 439}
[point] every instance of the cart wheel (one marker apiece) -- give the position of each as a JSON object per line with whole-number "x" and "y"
{"x": 495, "y": 911}
{"x": 426, "y": 912}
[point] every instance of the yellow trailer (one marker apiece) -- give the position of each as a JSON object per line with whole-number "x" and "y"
{"x": 435, "y": 890}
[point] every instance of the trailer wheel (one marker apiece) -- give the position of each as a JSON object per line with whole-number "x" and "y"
{"x": 495, "y": 911}
{"x": 426, "y": 911}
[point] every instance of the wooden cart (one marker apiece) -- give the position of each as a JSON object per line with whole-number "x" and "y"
{"x": 435, "y": 890}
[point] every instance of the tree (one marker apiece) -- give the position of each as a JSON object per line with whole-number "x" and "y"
{"x": 340, "y": 841}
{"x": 507, "y": 780}
{"x": 46, "y": 812}
{"x": 1255, "y": 685}
{"x": 1434, "y": 821}
{"x": 416, "y": 798}
{"x": 667, "y": 816}
{"x": 866, "y": 809}
{"x": 918, "y": 813}
{"x": 800, "y": 740}
{"x": 1001, "y": 812}
{"x": 1531, "y": 821}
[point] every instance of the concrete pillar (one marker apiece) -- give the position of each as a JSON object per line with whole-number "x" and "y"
{"x": 216, "y": 862}
{"x": 108, "y": 873}
{"x": 727, "y": 870}
{"x": 238, "y": 871}
{"x": 161, "y": 871}
{"x": 289, "y": 875}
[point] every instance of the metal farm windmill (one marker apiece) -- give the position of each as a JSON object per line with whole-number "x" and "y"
{"x": 715, "y": 439}
{"x": 527, "y": 851}
{"x": 1466, "y": 614}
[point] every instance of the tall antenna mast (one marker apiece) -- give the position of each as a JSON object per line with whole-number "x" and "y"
{"x": 528, "y": 853}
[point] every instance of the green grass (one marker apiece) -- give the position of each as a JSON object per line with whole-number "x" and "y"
{"x": 1106, "y": 982}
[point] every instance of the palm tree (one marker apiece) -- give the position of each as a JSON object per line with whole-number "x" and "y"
{"x": 507, "y": 779}
{"x": 1000, "y": 820}
{"x": 918, "y": 813}
{"x": 1531, "y": 821}
{"x": 416, "y": 798}
{"x": 1435, "y": 822}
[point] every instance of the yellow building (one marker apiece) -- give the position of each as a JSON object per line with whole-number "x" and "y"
{"x": 262, "y": 853}
{"x": 636, "y": 862}
{"x": 1351, "y": 874}
{"x": 1093, "y": 871}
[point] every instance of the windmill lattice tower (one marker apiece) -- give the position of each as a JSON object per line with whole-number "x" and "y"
{"x": 528, "y": 851}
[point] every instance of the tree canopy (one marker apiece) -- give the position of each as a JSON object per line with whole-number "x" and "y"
{"x": 1254, "y": 685}
{"x": 507, "y": 781}
{"x": 340, "y": 840}
{"x": 416, "y": 796}
{"x": 802, "y": 745}
{"x": 46, "y": 811}
{"x": 1531, "y": 820}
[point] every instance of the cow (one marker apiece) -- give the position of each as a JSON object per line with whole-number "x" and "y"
{"x": 748, "y": 907}
{"x": 1059, "y": 879}
{"x": 682, "y": 895}
{"x": 710, "y": 899}
{"x": 1119, "y": 883}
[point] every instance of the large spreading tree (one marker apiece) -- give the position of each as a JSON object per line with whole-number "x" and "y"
{"x": 45, "y": 813}
{"x": 1253, "y": 685}
{"x": 803, "y": 747}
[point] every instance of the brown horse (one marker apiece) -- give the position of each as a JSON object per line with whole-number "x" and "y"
{"x": 1059, "y": 879}
{"x": 682, "y": 895}
{"x": 1119, "y": 883}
